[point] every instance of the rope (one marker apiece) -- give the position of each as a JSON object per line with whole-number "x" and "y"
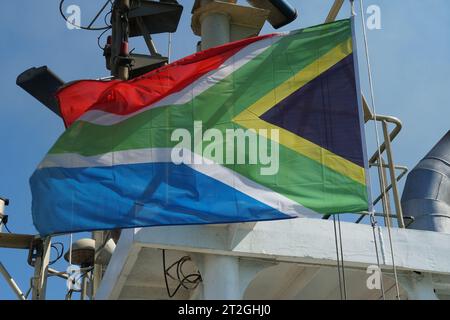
{"x": 393, "y": 259}
{"x": 70, "y": 249}
{"x": 383, "y": 178}
{"x": 372, "y": 91}
{"x": 373, "y": 219}
{"x": 373, "y": 222}
{"x": 337, "y": 257}
{"x": 342, "y": 258}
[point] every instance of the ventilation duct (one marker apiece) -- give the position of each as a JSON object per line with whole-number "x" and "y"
{"x": 426, "y": 196}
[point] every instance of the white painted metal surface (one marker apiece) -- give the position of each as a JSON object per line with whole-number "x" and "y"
{"x": 296, "y": 258}
{"x": 214, "y": 268}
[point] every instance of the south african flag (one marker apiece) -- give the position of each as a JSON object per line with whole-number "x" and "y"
{"x": 265, "y": 128}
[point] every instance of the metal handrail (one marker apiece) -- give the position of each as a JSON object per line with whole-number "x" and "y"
{"x": 334, "y": 11}
{"x": 386, "y": 146}
{"x": 374, "y": 162}
{"x": 378, "y": 214}
{"x": 394, "y": 133}
{"x": 395, "y": 189}
{"x": 388, "y": 188}
{"x": 399, "y": 178}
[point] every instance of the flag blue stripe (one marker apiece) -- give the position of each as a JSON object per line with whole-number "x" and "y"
{"x": 138, "y": 195}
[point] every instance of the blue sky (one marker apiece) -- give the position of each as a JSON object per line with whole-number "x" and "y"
{"x": 410, "y": 58}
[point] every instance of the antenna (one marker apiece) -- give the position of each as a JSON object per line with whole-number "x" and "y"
{"x": 42, "y": 84}
{"x": 129, "y": 19}
{"x": 132, "y": 18}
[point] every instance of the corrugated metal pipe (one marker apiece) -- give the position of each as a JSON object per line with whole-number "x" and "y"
{"x": 427, "y": 190}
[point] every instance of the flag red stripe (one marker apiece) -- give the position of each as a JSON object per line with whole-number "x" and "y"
{"x": 125, "y": 97}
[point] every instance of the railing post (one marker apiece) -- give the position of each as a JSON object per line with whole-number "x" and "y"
{"x": 398, "y": 206}
{"x": 97, "y": 273}
{"x": 385, "y": 199}
{"x": 41, "y": 270}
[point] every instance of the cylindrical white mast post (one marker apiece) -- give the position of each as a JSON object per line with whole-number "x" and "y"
{"x": 221, "y": 278}
{"x": 221, "y": 274}
{"x": 215, "y": 30}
